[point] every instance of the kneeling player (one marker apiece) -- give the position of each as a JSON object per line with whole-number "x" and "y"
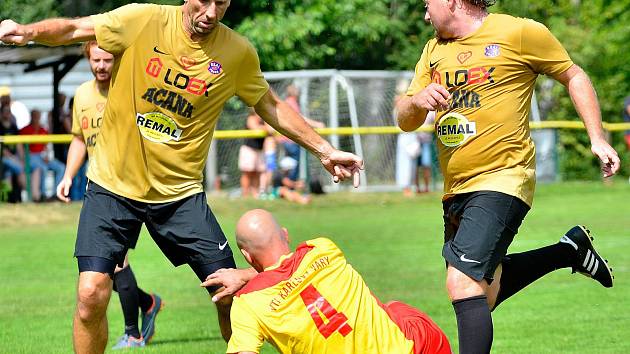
{"x": 313, "y": 301}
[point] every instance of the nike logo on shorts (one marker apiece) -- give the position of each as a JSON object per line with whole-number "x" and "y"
{"x": 464, "y": 259}
{"x": 222, "y": 246}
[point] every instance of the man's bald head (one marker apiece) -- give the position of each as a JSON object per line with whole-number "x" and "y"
{"x": 261, "y": 239}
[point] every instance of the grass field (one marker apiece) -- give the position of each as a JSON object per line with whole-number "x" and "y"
{"x": 393, "y": 241}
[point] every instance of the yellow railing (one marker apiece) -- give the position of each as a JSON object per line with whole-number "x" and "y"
{"x": 234, "y": 134}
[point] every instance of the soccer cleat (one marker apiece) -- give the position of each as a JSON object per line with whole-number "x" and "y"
{"x": 589, "y": 262}
{"x": 127, "y": 341}
{"x": 148, "y": 318}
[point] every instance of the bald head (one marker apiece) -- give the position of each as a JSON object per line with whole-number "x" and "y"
{"x": 261, "y": 239}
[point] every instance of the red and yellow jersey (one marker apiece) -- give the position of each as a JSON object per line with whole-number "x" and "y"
{"x": 87, "y": 113}
{"x": 313, "y": 301}
{"x": 166, "y": 95}
{"x": 484, "y": 140}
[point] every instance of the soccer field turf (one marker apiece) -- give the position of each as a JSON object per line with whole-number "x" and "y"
{"x": 394, "y": 242}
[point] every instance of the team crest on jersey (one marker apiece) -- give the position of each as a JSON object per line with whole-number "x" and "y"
{"x": 100, "y": 106}
{"x": 454, "y": 129}
{"x": 493, "y": 50}
{"x": 215, "y": 67}
{"x": 158, "y": 127}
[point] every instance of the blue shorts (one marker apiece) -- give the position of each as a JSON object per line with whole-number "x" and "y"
{"x": 425, "y": 158}
{"x": 270, "y": 161}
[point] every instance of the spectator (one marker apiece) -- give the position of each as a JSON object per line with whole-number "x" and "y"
{"x": 39, "y": 158}
{"x": 284, "y": 187}
{"x": 407, "y": 150}
{"x": 291, "y": 149}
{"x": 18, "y": 109}
{"x": 12, "y": 167}
{"x": 425, "y": 158}
{"x": 626, "y": 118}
{"x": 270, "y": 149}
{"x": 63, "y": 125}
{"x": 251, "y": 159}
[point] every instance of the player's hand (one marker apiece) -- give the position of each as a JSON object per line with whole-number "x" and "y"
{"x": 231, "y": 280}
{"x": 342, "y": 165}
{"x": 13, "y": 33}
{"x": 433, "y": 98}
{"x": 608, "y": 157}
{"x": 63, "y": 189}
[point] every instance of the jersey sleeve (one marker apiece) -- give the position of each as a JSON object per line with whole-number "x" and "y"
{"x": 116, "y": 30}
{"x": 422, "y": 76}
{"x": 542, "y": 50}
{"x": 246, "y": 332}
{"x": 76, "y": 124}
{"x": 250, "y": 82}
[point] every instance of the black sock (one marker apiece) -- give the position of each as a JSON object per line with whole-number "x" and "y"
{"x": 474, "y": 325}
{"x": 522, "y": 269}
{"x": 127, "y": 289}
{"x": 145, "y": 300}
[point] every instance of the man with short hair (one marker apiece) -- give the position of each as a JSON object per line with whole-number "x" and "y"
{"x": 313, "y": 301}
{"x": 41, "y": 161}
{"x": 176, "y": 67}
{"x": 87, "y": 116}
{"x": 479, "y": 75}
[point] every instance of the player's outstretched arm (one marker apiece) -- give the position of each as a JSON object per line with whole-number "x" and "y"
{"x": 76, "y": 156}
{"x": 585, "y": 101}
{"x": 283, "y": 118}
{"x": 52, "y": 32}
{"x": 412, "y": 110}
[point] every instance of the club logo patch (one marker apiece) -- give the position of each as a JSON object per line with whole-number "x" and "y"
{"x": 158, "y": 127}
{"x": 454, "y": 129}
{"x": 492, "y": 51}
{"x": 214, "y": 67}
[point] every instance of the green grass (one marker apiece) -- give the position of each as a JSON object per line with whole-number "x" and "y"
{"x": 394, "y": 242}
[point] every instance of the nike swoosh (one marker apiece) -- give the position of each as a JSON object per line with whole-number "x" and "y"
{"x": 434, "y": 63}
{"x": 222, "y": 246}
{"x": 464, "y": 259}
{"x": 155, "y": 49}
{"x": 84, "y": 109}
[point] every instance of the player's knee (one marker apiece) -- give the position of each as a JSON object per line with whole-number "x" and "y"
{"x": 460, "y": 286}
{"x": 92, "y": 299}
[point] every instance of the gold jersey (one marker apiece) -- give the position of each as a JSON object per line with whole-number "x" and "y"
{"x": 484, "y": 140}
{"x": 166, "y": 95}
{"x": 87, "y": 113}
{"x": 313, "y": 301}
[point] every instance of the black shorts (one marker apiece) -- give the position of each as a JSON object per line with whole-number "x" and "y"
{"x": 478, "y": 229}
{"x": 185, "y": 230}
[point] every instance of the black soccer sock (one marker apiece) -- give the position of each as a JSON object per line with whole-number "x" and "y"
{"x": 522, "y": 269}
{"x": 474, "y": 325}
{"x": 145, "y": 300}
{"x": 127, "y": 289}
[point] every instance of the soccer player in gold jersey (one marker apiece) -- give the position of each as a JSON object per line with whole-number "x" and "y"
{"x": 87, "y": 117}
{"x": 479, "y": 75}
{"x": 175, "y": 68}
{"x": 313, "y": 301}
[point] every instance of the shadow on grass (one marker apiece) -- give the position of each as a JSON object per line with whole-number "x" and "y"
{"x": 157, "y": 342}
